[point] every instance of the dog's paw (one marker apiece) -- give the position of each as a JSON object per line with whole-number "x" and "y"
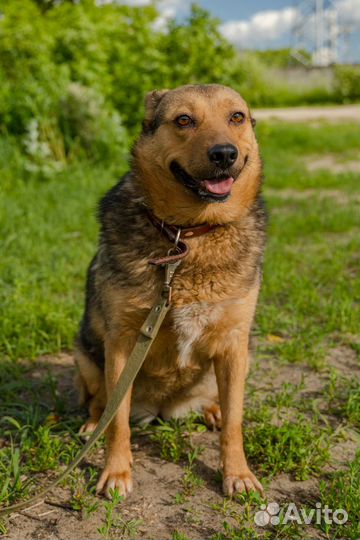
{"x": 212, "y": 417}
{"x": 241, "y": 483}
{"x": 88, "y": 428}
{"x": 111, "y": 480}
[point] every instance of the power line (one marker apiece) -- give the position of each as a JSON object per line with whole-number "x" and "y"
{"x": 318, "y": 38}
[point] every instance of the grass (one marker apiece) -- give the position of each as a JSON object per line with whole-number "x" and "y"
{"x": 115, "y": 525}
{"x": 309, "y": 294}
{"x": 300, "y": 447}
{"x": 341, "y": 490}
{"x": 175, "y": 437}
{"x": 48, "y": 236}
{"x": 308, "y": 306}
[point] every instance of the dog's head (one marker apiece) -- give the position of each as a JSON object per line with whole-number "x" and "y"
{"x": 197, "y": 148}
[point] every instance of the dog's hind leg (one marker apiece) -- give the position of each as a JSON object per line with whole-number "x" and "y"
{"x": 212, "y": 413}
{"x": 202, "y": 397}
{"x": 212, "y": 416}
{"x": 89, "y": 380}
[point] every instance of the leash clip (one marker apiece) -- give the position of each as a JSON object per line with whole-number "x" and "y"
{"x": 154, "y": 319}
{"x": 170, "y": 269}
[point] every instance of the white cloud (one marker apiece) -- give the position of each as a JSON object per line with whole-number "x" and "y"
{"x": 266, "y": 28}
{"x": 167, "y": 8}
{"x": 348, "y": 11}
{"x": 261, "y": 30}
{"x": 134, "y": 3}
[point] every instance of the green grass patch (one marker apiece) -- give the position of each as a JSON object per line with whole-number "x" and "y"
{"x": 341, "y": 491}
{"x": 50, "y": 233}
{"x": 299, "y": 447}
{"x": 37, "y": 436}
{"x": 285, "y": 148}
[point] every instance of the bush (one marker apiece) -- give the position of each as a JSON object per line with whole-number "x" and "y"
{"x": 90, "y": 126}
{"x": 31, "y": 84}
{"x": 347, "y": 82}
{"x": 73, "y": 75}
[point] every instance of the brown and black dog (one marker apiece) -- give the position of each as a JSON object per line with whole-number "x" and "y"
{"x": 196, "y": 162}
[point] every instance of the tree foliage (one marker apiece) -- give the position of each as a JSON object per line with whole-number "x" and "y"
{"x": 73, "y": 74}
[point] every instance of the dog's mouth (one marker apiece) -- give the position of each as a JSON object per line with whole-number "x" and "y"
{"x": 219, "y": 187}
{"x": 216, "y": 189}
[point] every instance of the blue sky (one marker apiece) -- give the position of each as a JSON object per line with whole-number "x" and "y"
{"x": 232, "y": 11}
{"x": 228, "y": 10}
{"x": 259, "y": 24}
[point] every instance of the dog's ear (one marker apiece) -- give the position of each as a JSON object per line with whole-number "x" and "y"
{"x": 152, "y": 101}
{"x": 253, "y": 121}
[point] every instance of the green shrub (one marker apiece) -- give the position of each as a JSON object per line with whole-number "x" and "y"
{"x": 30, "y": 82}
{"x": 347, "y": 82}
{"x": 73, "y": 75}
{"x": 90, "y": 126}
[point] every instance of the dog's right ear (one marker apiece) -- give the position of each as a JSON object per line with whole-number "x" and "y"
{"x": 152, "y": 101}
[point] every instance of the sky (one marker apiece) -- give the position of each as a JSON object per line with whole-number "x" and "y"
{"x": 241, "y": 18}
{"x": 260, "y": 24}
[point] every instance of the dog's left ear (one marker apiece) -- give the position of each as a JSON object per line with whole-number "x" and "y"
{"x": 152, "y": 100}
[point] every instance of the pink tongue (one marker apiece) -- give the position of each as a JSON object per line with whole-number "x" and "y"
{"x": 220, "y": 187}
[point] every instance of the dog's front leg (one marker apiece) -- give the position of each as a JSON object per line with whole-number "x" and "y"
{"x": 231, "y": 367}
{"x": 117, "y": 471}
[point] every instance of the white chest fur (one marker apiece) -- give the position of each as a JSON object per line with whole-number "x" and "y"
{"x": 190, "y": 322}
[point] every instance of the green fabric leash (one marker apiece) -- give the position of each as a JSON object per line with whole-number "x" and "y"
{"x": 148, "y": 333}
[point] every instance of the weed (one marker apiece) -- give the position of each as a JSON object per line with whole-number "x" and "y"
{"x": 175, "y": 437}
{"x": 287, "y": 395}
{"x": 190, "y": 480}
{"x": 242, "y": 531}
{"x": 110, "y": 506}
{"x": 351, "y": 408}
{"x": 3, "y": 527}
{"x": 114, "y": 524}
{"x": 343, "y": 395}
{"x": 179, "y": 497}
{"x": 300, "y": 447}
{"x": 178, "y": 535}
{"x": 341, "y": 490}
{"x": 225, "y": 508}
{"x": 82, "y": 493}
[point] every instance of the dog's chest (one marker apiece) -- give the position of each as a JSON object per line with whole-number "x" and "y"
{"x": 190, "y": 324}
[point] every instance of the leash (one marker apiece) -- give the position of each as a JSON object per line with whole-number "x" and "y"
{"x": 148, "y": 333}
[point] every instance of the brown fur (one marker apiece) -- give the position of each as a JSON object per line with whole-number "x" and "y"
{"x": 202, "y": 347}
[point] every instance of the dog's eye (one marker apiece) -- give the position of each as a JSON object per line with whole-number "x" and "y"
{"x": 237, "y": 117}
{"x": 183, "y": 120}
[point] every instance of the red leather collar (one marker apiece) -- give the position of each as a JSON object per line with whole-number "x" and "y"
{"x": 177, "y": 235}
{"x": 171, "y": 231}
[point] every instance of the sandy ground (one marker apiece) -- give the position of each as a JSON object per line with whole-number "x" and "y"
{"x": 299, "y": 114}
{"x": 156, "y": 481}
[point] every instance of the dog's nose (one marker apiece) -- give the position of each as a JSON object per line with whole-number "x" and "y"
{"x": 223, "y": 155}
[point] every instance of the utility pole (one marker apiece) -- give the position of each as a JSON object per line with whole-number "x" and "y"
{"x": 315, "y": 33}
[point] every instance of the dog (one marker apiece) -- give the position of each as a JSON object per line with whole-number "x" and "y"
{"x": 195, "y": 166}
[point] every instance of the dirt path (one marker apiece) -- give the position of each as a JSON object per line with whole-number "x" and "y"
{"x": 156, "y": 508}
{"x": 302, "y": 114}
